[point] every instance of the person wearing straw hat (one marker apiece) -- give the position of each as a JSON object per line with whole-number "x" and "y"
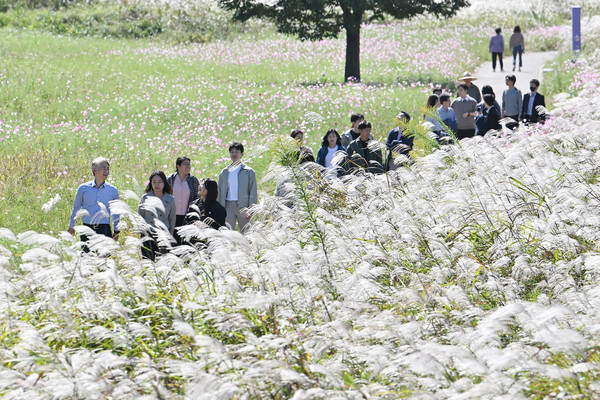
{"x": 473, "y": 91}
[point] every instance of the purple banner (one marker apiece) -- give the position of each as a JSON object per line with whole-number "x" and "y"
{"x": 576, "y": 18}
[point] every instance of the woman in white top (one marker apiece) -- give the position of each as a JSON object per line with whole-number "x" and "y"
{"x": 157, "y": 207}
{"x": 331, "y": 144}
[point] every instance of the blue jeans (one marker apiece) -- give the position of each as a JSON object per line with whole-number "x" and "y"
{"x": 518, "y": 50}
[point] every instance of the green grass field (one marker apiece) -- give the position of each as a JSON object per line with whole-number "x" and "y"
{"x": 141, "y": 103}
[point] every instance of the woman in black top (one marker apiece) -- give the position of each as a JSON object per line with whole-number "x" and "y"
{"x": 207, "y": 209}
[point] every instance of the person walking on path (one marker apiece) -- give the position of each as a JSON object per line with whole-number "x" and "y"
{"x": 517, "y": 46}
{"x": 492, "y": 115}
{"x": 464, "y": 107}
{"x": 497, "y": 49}
{"x": 512, "y": 101}
{"x": 472, "y": 89}
{"x": 531, "y": 101}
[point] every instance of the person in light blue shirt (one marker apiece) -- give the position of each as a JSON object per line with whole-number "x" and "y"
{"x": 92, "y": 202}
{"x": 447, "y": 114}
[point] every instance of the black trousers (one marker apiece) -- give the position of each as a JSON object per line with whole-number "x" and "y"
{"x": 100, "y": 229}
{"x": 150, "y": 248}
{"x": 512, "y": 125}
{"x": 499, "y": 55}
{"x": 465, "y": 133}
{"x": 179, "y": 221}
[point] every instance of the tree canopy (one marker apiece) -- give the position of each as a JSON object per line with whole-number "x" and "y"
{"x": 319, "y": 19}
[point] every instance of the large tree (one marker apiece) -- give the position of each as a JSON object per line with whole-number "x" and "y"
{"x": 319, "y": 19}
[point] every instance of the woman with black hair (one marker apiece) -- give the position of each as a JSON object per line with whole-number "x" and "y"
{"x": 157, "y": 207}
{"x": 207, "y": 209}
{"x": 331, "y": 144}
{"x": 185, "y": 190}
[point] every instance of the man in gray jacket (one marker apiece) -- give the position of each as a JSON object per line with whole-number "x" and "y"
{"x": 512, "y": 102}
{"x": 237, "y": 188}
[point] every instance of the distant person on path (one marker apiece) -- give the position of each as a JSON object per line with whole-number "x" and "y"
{"x": 331, "y": 144}
{"x": 237, "y": 188}
{"x": 352, "y": 133}
{"x": 531, "y": 101}
{"x": 472, "y": 89}
{"x": 512, "y": 101}
{"x": 497, "y": 49}
{"x": 94, "y": 199}
{"x": 492, "y": 115}
{"x": 364, "y": 152}
{"x": 517, "y": 46}
{"x": 437, "y": 90}
{"x": 464, "y": 107}
{"x": 157, "y": 207}
{"x": 446, "y": 113}
{"x": 206, "y": 208}
{"x": 398, "y": 142}
{"x": 185, "y": 191}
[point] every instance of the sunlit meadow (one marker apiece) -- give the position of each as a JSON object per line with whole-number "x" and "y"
{"x": 63, "y": 101}
{"x": 473, "y": 273}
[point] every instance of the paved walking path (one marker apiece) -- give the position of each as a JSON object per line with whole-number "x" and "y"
{"x": 533, "y": 64}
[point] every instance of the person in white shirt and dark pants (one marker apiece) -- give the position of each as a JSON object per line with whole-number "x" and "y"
{"x": 237, "y": 188}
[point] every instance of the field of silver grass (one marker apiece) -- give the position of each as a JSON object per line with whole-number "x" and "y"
{"x": 472, "y": 274}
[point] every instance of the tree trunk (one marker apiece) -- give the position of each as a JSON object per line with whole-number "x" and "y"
{"x": 353, "y": 49}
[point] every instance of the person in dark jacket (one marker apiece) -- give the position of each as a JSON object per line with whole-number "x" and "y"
{"x": 530, "y": 103}
{"x": 364, "y": 152}
{"x": 492, "y": 120}
{"x": 206, "y": 208}
{"x": 331, "y": 144}
{"x": 482, "y": 110}
{"x": 398, "y": 142}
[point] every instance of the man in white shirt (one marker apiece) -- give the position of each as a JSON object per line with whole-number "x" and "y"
{"x": 237, "y": 188}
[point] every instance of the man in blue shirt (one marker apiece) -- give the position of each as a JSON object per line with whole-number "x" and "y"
{"x": 446, "y": 113}
{"x": 92, "y": 202}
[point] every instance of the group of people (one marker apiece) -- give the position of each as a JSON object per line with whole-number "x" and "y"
{"x": 181, "y": 199}
{"x": 170, "y": 202}
{"x": 476, "y": 112}
{"x": 516, "y": 45}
